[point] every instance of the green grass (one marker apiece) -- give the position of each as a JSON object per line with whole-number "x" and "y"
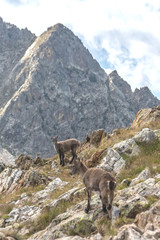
{"x": 83, "y": 229}
{"x": 148, "y": 158}
{"x": 5, "y": 209}
{"x": 105, "y": 227}
{"x": 122, "y": 221}
{"x": 49, "y": 213}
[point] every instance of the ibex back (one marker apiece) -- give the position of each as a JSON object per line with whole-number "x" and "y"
{"x": 65, "y": 146}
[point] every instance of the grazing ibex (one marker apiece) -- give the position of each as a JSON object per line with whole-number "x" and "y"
{"x": 65, "y": 146}
{"x": 96, "y": 179}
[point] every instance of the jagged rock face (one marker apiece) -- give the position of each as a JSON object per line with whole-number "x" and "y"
{"x": 13, "y": 44}
{"x": 127, "y": 103}
{"x": 57, "y": 88}
{"x": 146, "y": 116}
{"x": 145, "y": 99}
{"x": 62, "y": 91}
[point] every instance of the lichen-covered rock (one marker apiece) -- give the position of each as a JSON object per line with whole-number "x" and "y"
{"x": 144, "y": 175}
{"x": 112, "y": 162}
{"x": 146, "y": 135}
{"x": 151, "y": 216}
{"x": 128, "y": 147}
{"x": 52, "y": 186}
{"x": 22, "y": 214}
{"x": 146, "y": 226}
{"x": 9, "y": 179}
{"x": 133, "y": 199}
{"x": 14, "y": 178}
{"x": 97, "y": 236}
{"x": 146, "y": 116}
{"x": 78, "y": 223}
{"x": 157, "y": 133}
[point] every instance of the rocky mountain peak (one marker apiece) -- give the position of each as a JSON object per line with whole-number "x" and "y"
{"x": 13, "y": 44}
{"x": 57, "y": 88}
{"x": 122, "y": 85}
{"x": 145, "y": 98}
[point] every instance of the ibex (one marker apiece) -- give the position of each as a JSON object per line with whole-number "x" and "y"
{"x": 96, "y": 179}
{"x": 65, "y": 146}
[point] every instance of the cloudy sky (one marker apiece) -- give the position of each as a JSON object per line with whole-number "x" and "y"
{"x": 121, "y": 35}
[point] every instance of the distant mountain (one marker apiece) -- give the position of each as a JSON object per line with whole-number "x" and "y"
{"x": 13, "y": 44}
{"x": 57, "y": 88}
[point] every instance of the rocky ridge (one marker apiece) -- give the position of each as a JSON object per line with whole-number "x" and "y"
{"x": 55, "y": 88}
{"x": 14, "y": 43}
{"x": 41, "y": 200}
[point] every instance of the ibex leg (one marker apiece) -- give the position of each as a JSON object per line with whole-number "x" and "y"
{"x": 89, "y": 199}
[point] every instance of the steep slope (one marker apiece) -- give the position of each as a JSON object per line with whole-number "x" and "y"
{"x": 61, "y": 91}
{"x": 13, "y": 44}
{"x": 41, "y": 200}
{"x": 57, "y": 88}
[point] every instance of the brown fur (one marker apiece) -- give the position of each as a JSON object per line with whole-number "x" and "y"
{"x": 65, "y": 146}
{"x": 96, "y": 179}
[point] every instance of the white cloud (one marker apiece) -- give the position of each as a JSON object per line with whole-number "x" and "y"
{"x": 126, "y": 32}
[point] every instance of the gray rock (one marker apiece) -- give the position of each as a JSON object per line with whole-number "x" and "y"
{"x": 144, "y": 175}
{"x": 133, "y": 199}
{"x": 52, "y": 186}
{"x": 146, "y": 226}
{"x": 146, "y": 135}
{"x": 131, "y": 231}
{"x": 157, "y": 133}
{"x": 14, "y": 43}
{"x": 113, "y": 161}
{"x": 6, "y": 157}
{"x": 128, "y": 147}
{"x": 9, "y": 179}
{"x": 22, "y": 214}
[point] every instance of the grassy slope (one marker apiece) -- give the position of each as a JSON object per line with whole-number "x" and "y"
{"x": 149, "y": 157}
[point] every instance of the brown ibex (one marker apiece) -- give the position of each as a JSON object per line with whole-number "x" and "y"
{"x": 96, "y": 179}
{"x": 65, "y": 146}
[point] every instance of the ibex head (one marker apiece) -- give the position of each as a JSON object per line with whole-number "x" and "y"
{"x": 54, "y": 139}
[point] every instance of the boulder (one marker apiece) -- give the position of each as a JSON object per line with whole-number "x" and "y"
{"x": 145, "y": 227}
{"x": 134, "y": 199}
{"x": 144, "y": 175}
{"x": 113, "y": 162}
{"x": 6, "y": 157}
{"x": 146, "y": 135}
{"x": 57, "y": 183}
{"x": 146, "y": 116}
{"x": 157, "y": 133}
{"x": 10, "y": 178}
{"x": 128, "y": 147}
{"x": 22, "y": 214}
